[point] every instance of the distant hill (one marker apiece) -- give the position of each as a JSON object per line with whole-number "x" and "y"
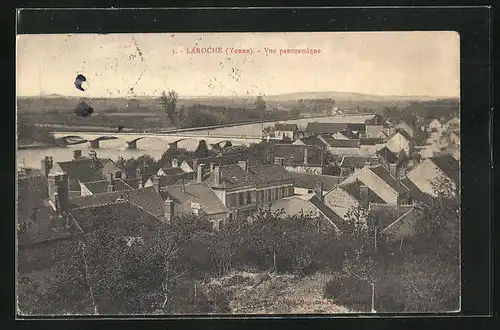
{"x": 151, "y": 103}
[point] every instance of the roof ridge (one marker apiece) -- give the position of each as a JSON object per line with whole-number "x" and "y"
{"x": 398, "y": 219}
{"x": 143, "y": 209}
{"x": 100, "y": 205}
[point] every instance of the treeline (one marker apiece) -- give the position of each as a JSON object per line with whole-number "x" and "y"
{"x": 29, "y": 133}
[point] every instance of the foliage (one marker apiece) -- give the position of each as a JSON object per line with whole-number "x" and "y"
{"x": 202, "y": 150}
{"x": 169, "y": 103}
{"x": 260, "y": 106}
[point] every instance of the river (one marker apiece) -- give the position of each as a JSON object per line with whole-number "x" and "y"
{"x": 154, "y": 147}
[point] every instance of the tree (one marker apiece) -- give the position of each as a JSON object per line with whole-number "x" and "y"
{"x": 169, "y": 103}
{"x": 295, "y": 113}
{"x": 260, "y": 106}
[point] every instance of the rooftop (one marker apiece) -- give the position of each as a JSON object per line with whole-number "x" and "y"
{"x": 286, "y": 127}
{"x": 146, "y": 198}
{"x": 385, "y": 215}
{"x": 293, "y": 154}
{"x": 310, "y": 181}
{"x": 356, "y": 161}
{"x": 123, "y": 218}
{"x": 448, "y": 165}
{"x": 101, "y": 186}
{"x": 332, "y": 142}
{"x": 325, "y": 128}
{"x": 353, "y": 189}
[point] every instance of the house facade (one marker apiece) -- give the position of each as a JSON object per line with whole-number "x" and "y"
{"x": 285, "y": 131}
{"x": 398, "y": 142}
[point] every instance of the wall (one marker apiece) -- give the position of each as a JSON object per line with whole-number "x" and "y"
{"x": 84, "y": 191}
{"x": 110, "y": 167}
{"x": 397, "y": 143}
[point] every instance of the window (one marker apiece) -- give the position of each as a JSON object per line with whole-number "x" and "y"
{"x": 240, "y": 199}
{"x": 249, "y": 197}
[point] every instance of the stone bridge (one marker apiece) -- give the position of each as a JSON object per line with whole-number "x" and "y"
{"x": 131, "y": 139}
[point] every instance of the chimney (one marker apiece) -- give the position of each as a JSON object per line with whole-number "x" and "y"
{"x": 175, "y": 162}
{"x": 217, "y": 175}
{"x": 110, "y": 182}
{"x": 156, "y": 183}
{"x": 92, "y": 153}
{"x": 393, "y": 170}
{"x": 58, "y": 185}
{"x": 243, "y": 164}
{"x": 138, "y": 175}
{"x": 363, "y": 195}
{"x": 199, "y": 173}
{"x": 77, "y": 154}
{"x": 278, "y": 161}
{"x": 168, "y": 208}
{"x": 305, "y": 156}
{"x": 47, "y": 164}
{"x": 402, "y": 173}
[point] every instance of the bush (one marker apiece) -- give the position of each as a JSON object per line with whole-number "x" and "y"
{"x": 349, "y": 292}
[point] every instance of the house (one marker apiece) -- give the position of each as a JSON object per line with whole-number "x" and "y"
{"x": 191, "y": 165}
{"x": 403, "y": 126}
{"x": 317, "y": 128}
{"x": 243, "y": 188}
{"x": 345, "y": 135}
{"x": 146, "y": 198}
{"x": 196, "y": 198}
{"x": 374, "y": 126}
{"x": 299, "y": 158}
{"x": 453, "y": 124}
{"x": 102, "y": 186}
{"x": 349, "y": 164}
{"x": 383, "y": 182}
{"x": 82, "y": 169}
{"x": 432, "y": 171}
{"x": 285, "y": 131}
{"x": 455, "y": 138}
{"x": 400, "y": 141}
{"x": 309, "y": 204}
{"x": 395, "y": 221}
{"x": 305, "y": 183}
{"x": 434, "y": 126}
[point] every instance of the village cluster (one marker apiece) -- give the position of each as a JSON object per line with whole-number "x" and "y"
{"x": 380, "y": 169}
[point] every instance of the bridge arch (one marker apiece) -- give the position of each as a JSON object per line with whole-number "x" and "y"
{"x": 95, "y": 143}
{"x": 133, "y": 143}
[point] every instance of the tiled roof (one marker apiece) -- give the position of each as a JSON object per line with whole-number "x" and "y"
{"x": 332, "y": 142}
{"x": 101, "y": 186}
{"x": 286, "y": 127}
{"x": 325, "y": 128}
{"x": 294, "y": 154}
{"x": 349, "y": 134}
{"x": 352, "y": 188}
{"x": 196, "y": 193}
{"x": 133, "y": 182}
{"x": 171, "y": 170}
{"x": 123, "y": 217}
{"x": 356, "y": 161}
{"x": 146, "y": 198}
{"x": 311, "y": 203}
{"x": 310, "y": 181}
{"x": 386, "y": 215}
{"x": 356, "y": 127}
{"x": 228, "y": 159}
{"x": 384, "y": 174}
{"x": 402, "y": 132}
{"x": 415, "y": 193}
{"x": 448, "y": 165}
{"x": 46, "y": 225}
{"x": 312, "y": 140}
{"x": 371, "y": 141}
{"x": 168, "y": 180}
{"x": 386, "y": 154}
{"x": 270, "y": 174}
{"x": 233, "y": 176}
{"x": 84, "y": 169}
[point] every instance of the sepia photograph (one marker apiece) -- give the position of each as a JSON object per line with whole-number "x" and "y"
{"x": 238, "y": 173}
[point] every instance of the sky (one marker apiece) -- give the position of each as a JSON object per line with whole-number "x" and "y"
{"x": 131, "y": 65}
